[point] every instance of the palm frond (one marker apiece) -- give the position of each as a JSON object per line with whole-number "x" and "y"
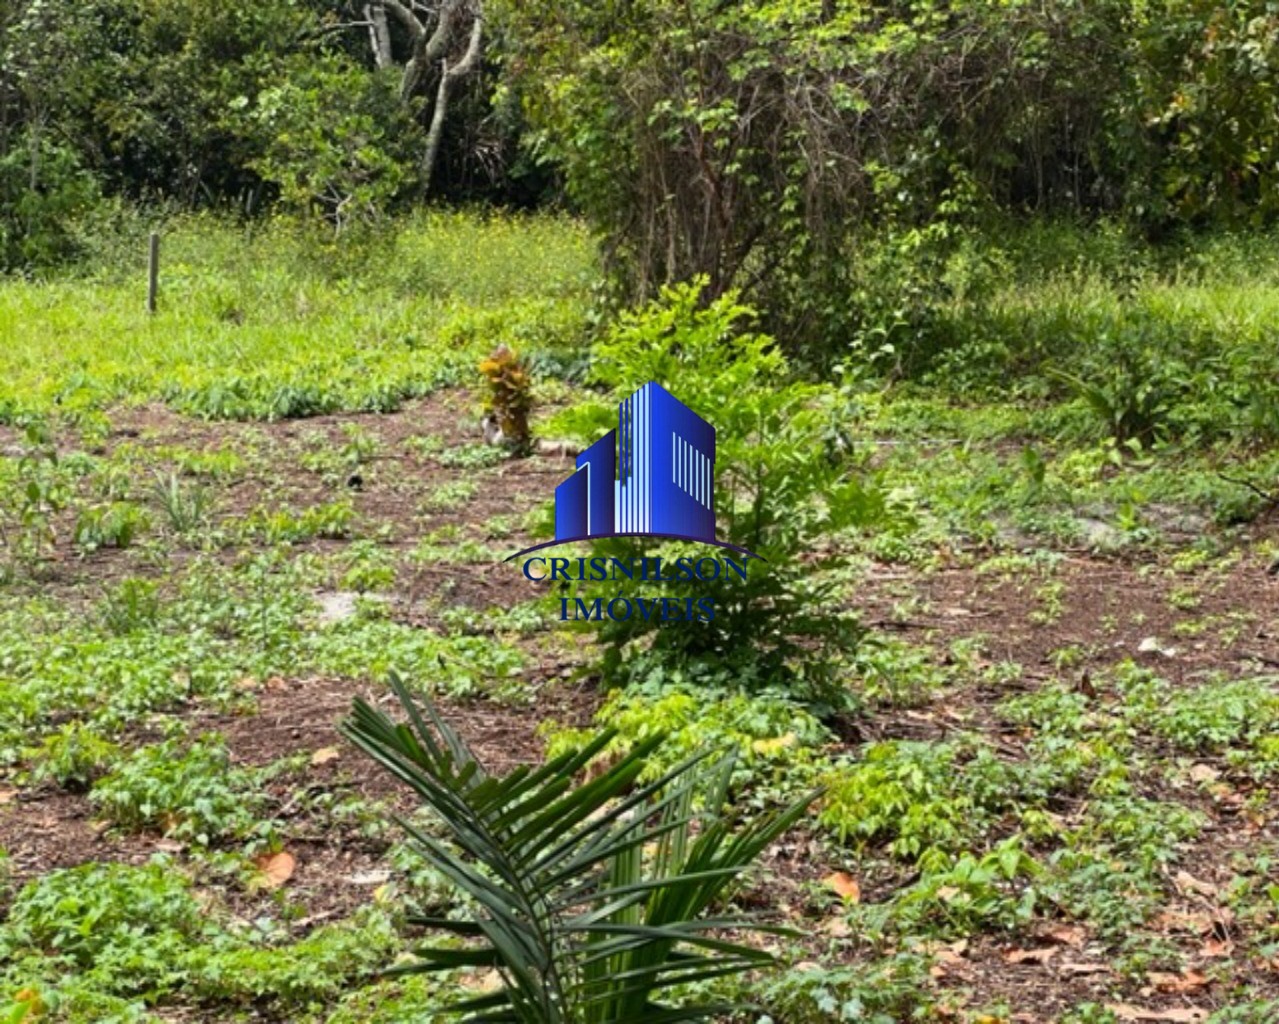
{"x": 592, "y": 895}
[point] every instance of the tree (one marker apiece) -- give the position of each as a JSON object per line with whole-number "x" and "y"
{"x": 444, "y": 46}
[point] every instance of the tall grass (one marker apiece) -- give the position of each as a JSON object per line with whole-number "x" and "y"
{"x": 276, "y": 320}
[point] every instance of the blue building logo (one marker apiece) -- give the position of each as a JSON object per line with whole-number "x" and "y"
{"x": 654, "y": 475}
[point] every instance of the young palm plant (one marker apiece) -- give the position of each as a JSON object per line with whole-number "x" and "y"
{"x": 591, "y": 894}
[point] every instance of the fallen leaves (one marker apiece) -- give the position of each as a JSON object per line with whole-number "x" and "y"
{"x": 1203, "y": 773}
{"x": 1068, "y": 934}
{"x": 946, "y": 956}
{"x": 1079, "y": 970}
{"x": 1191, "y": 981}
{"x": 1187, "y": 882}
{"x": 1030, "y": 956}
{"x": 274, "y": 869}
{"x": 844, "y": 885}
{"x": 324, "y": 755}
{"x": 1173, "y": 1015}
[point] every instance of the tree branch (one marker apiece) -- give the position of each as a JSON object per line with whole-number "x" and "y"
{"x": 448, "y": 77}
{"x": 405, "y": 17}
{"x": 379, "y": 34}
{"x": 439, "y": 39}
{"x": 472, "y": 55}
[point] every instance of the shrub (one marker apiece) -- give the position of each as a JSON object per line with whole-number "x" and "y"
{"x": 193, "y": 794}
{"x": 36, "y": 223}
{"x": 773, "y": 737}
{"x": 109, "y": 526}
{"x": 589, "y": 897}
{"x": 132, "y": 605}
{"x": 134, "y": 916}
{"x": 73, "y": 756}
{"x": 920, "y": 797}
{"x": 510, "y": 397}
{"x": 33, "y": 488}
{"x": 784, "y": 482}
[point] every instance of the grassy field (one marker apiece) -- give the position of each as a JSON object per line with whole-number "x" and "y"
{"x": 1051, "y": 763}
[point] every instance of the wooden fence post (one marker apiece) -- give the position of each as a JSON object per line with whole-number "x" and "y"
{"x": 153, "y": 272}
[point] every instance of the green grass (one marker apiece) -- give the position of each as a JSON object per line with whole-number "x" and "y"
{"x": 265, "y": 322}
{"x": 1002, "y": 759}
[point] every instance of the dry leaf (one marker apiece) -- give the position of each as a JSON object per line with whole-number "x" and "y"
{"x": 844, "y": 885}
{"x": 1191, "y": 981}
{"x": 1068, "y": 934}
{"x": 1176, "y": 921}
{"x": 276, "y": 868}
{"x": 1030, "y": 956}
{"x": 1203, "y": 773}
{"x": 947, "y": 954}
{"x": 324, "y": 755}
{"x": 1076, "y": 969}
{"x": 1186, "y": 881}
{"x": 370, "y": 878}
{"x": 1086, "y": 686}
{"x": 1215, "y": 949}
{"x": 836, "y": 928}
{"x": 483, "y": 981}
{"x": 1175, "y": 1015}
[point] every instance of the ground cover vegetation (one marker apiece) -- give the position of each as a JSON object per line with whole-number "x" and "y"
{"x": 981, "y": 301}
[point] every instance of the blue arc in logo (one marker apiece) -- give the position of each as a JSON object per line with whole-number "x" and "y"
{"x": 659, "y": 481}
{"x": 660, "y": 536}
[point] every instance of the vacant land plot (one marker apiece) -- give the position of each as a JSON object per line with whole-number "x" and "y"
{"x": 1050, "y": 769}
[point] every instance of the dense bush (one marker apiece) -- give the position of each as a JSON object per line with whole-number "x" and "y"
{"x": 782, "y": 484}
{"x": 765, "y": 144}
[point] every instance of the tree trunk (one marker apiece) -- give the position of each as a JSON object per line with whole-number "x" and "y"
{"x": 379, "y": 34}
{"x": 448, "y": 76}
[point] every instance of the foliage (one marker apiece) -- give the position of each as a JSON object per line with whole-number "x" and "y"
{"x": 510, "y": 396}
{"x": 256, "y": 323}
{"x": 186, "y": 506}
{"x": 44, "y": 188}
{"x": 957, "y": 894}
{"x": 125, "y": 931}
{"x": 783, "y": 483}
{"x": 769, "y": 145}
{"x": 335, "y": 138}
{"x": 773, "y": 737}
{"x": 131, "y": 606}
{"x": 35, "y": 488}
{"x": 581, "y": 921}
{"x": 73, "y": 756}
{"x": 920, "y": 797}
{"x": 192, "y": 794}
{"x": 891, "y": 989}
{"x": 113, "y": 525}
{"x": 300, "y": 975}
{"x": 133, "y": 917}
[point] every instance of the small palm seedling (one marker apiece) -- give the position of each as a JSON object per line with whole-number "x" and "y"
{"x": 510, "y": 399}
{"x": 185, "y": 508}
{"x": 591, "y": 896}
